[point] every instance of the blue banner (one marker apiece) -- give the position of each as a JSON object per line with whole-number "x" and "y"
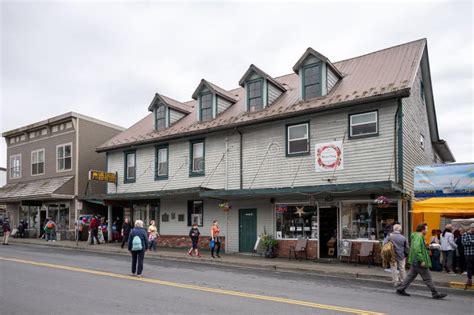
{"x": 444, "y": 180}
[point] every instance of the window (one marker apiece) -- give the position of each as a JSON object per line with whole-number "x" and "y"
{"x": 296, "y": 221}
{"x": 55, "y": 128}
{"x": 130, "y": 167}
{"x": 161, "y": 162}
{"x": 37, "y": 133}
{"x": 37, "y": 162}
{"x": 44, "y": 132}
{"x": 12, "y": 140}
{"x": 363, "y": 124}
{"x": 15, "y": 166}
{"x": 197, "y": 163}
{"x": 297, "y": 139}
{"x": 255, "y": 95}
{"x": 206, "y": 106}
{"x": 422, "y": 90}
{"x": 195, "y": 212}
{"x": 367, "y": 221}
{"x": 160, "y": 117}
{"x": 311, "y": 81}
{"x": 64, "y": 157}
{"x": 422, "y": 141}
{"x": 69, "y": 124}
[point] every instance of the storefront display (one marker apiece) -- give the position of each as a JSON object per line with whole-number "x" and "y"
{"x": 296, "y": 221}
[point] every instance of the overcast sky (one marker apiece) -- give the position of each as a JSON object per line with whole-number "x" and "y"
{"x": 107, "y": 59}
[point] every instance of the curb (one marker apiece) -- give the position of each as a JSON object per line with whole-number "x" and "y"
{"x": 453, "y": 286}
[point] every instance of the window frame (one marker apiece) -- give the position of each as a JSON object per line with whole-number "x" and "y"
{"x": 10, "y": 167}
{"x": 367, "y": 135}
{"x": 190, "y": 221}
{"x": 287, "y": 142}
{"x": 44, "y": 161}
{"x": 157, "y": 155}
{"x": 422, "y": 141}
{"x": 164, "y": 117}
{"x": 303, "y": 83}
{"x": 126, "y": 179}
{"x": 211, "y": 107}
{"x": 57, "y": 158}
{"x": 193, "y": 173}
{"x": 261, "y": 95}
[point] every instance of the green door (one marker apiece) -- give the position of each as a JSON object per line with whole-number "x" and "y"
{"x": 247, "y": 229}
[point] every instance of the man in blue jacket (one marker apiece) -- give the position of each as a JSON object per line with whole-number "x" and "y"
{"x": 137, "y": 245}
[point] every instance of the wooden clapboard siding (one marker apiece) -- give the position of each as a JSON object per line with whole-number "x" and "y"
{"x": 273, "y": 93}
{"x": 175, "y": 116}
{"x": 331, "y": 79}
{"x": 222, "y": 104}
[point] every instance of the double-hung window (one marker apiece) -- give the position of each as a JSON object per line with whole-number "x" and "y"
{"x": 15, "y": 166}
{"x": 160, "y": 117}
{"x": 64, "y": 157}
{"x": 364, "y": 124}
{"x": 130, "y": 166}
{"x": 37, "y": 162}
{"x": 195, "y": 212}
{"x": 297, "y": 139}
{"x": 255, "y": 95}
{"x": 311, "y": 81}
{"x": 197, "y": 163}
{"x": 206, "y": 106}
{"x": 161, "y": 162}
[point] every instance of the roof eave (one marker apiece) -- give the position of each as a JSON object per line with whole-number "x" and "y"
{"x": 442, "y": 148}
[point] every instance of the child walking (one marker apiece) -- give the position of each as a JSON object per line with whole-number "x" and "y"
{"x": 194, "y": 235}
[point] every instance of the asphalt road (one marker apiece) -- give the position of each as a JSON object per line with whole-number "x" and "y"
{"x": 43, "y": 280}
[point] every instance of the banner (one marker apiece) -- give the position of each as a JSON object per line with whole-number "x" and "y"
{"x": 329, "y": 156}
{"x": 444, "y": 180}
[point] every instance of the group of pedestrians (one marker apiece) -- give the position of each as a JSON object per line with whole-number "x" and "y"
{"x": 417, "y": 254}
{"x": 214, "y": 240}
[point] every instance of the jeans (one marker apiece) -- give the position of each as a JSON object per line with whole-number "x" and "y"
{"x": 400, "y": 266}
{"x": 49, "y": 236}
{"x": 448, "y": 260}
{"x": 217, "y": 247}
{"x": 152, "y": 245}
{"x": 469, "y": 265}
{"x": 137, "y": 259}
{"x": 425, "y": 274}
{"x": 124, "y": 239}
{"x": 435, "y": 260}
{"x": 94, "y": 234}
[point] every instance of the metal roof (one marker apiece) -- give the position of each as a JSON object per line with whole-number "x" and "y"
{"x": 41, "y": 188}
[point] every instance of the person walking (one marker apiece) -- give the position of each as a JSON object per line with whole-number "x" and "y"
{"x": 435, "y": 247}
{"x": 194, "y": 235}
{"x": 215, "y": 231}
{"x": 152, "y": 235}
{"x": 94, "y": 230}
{"x": 42, "y": 231}
{"x": 137, "y": 245}
{"x": 401, "y": 248}
{"x": 49, "y": 229}
{"x": 126, "y": 228}
{"x": 6, "y": 231}
{"x": 448, "y": 246}
{"x": 420, "y": 262}
{"x": 468, "y": 243}
{"x": 80, "y": 229}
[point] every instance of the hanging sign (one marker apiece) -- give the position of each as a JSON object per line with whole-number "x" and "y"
{"x": 103, "y": 176}
{"x": 329, "y": 156}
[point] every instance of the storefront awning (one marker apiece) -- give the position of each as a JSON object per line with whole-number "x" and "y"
{"x": 456, "y": 205}
{"x": 145, "y": 195}
{"x": 41, "y": 189}
{"x": 339, "y": 189}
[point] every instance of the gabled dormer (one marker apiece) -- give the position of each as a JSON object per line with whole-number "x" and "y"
{"x": 261, "y": 90}
{"x": 167, "y": 111}
{"x": 212, "y": 100}
{"x": 317, "y": 74}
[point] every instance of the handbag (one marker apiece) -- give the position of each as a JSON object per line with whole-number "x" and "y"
{"x": 212, "y": 244}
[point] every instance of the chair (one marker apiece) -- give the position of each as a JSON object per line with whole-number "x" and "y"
{"x": 366, "y": 250}
{"x": 300, "y": 248}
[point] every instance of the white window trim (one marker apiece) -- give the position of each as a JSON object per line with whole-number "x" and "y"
{"x": 44, "y": 162}
{"x": 296, "y": 139}
{"x": 360, "y": 124}
{"x": 10, "y": 166}
{"x": 57, "y": 164}
{"x": 158, "y": 156}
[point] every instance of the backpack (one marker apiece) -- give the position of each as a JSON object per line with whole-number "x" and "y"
{"x": 388, "y": 253}
{"x": 50, "y": 225}
{"x": 137, "y": 243}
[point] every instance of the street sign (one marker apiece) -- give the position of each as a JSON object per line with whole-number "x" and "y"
{"x": 103, "y": 176}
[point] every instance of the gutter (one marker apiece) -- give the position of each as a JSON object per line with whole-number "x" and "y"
{"x": 376, "y": 98}
{"x": 241, "y": 171}
{"x": 400, "y": 141}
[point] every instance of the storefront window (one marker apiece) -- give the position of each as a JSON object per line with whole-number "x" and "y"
{"x": 296, "y": 221}
{"x": 59, "y": 213}
{"x": 367, "y": 221}
{"x": 139, "y": 213}
{"x": 29, "y": 215}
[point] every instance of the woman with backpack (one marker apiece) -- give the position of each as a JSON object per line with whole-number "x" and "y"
{"x": 137, "y": 245}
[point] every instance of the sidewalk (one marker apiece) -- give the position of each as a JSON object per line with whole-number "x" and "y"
{"x": 336, "y": 269}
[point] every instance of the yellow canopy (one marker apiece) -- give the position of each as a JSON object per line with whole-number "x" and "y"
{"x": 458, "y": 205}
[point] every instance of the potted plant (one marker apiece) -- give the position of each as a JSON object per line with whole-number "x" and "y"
{"x": 225, "y": 205}
{"x": 269, "y": 245}
{"x": 382, "y": 202}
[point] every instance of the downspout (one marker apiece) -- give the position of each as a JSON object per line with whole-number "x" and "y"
{"x": 400, "y": 142}
{"x": 240, "y": 158}
{"x": 395, "y": 138}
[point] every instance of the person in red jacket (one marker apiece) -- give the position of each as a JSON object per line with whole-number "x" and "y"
{"x": 94, "y": 229}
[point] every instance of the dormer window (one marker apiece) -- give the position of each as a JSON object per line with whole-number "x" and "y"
{"x": 160, "y": 117}
{"x": 205, "y": 106}
{"x": 311, "y": 81}
{"x": 255, "y": 95}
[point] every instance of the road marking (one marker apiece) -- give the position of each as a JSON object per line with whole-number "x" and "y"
{"x": 196, "y": 288}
